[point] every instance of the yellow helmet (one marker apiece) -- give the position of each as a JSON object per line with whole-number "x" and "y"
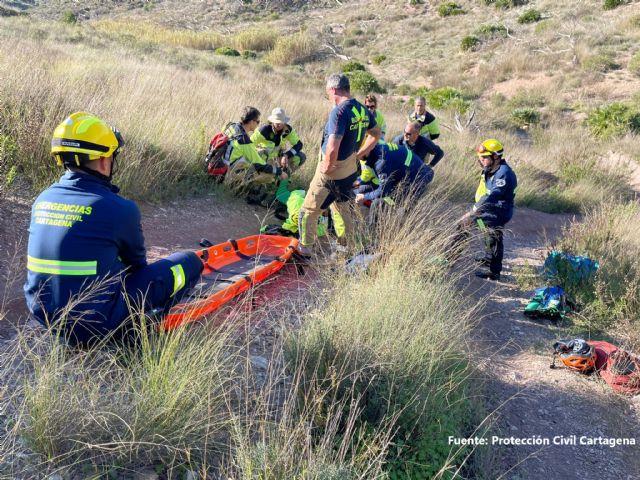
{"x": 489, "y": 147}
{"x": 83, "y": 137}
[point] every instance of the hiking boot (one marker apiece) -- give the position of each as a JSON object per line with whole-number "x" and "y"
{"x": 304, "y": 251}
{"x": 487, "y": 275}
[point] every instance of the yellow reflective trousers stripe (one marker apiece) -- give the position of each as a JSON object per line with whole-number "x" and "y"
{"x": 179, "y": 279}
{"x": 60, "y": 267}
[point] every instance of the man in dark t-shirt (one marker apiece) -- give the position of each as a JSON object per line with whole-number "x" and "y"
{"x": 350, "y": 133}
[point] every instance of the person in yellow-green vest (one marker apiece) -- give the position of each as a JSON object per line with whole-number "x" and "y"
{"x": 248, "y": 171}
{"x": 371, "y": 102}
{"x": 493, "y": 208}
{"x": 429, "y": 126}
{"x": 293, "y": 201}
{"x": 272, "y": 139}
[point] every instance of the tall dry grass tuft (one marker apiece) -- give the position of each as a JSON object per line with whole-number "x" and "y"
{"x": 163, "y": 403}
{"x": 293, "y": 49}
{"x": 394, "y": 340}
{"x": 165, "y": 113}
{"x": 609, "y": 234}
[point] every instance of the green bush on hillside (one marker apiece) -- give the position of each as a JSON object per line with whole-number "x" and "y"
{"x": 450, "y": 8}
{"x": 364, "y": 82}
{"x": 353, "y": 66}
{"x": 505, "y": 4}
{"x": 492, "y": 30}
{"x": 524, "y": 117}
{"x": 470, "y": 42}
{"x": 530, "y": 16}
{"x": 611, "y": 4}
{"x": 227, "y": 51}
{"x": 448, "y": 98}
{"x": 612, "y": 120}
{"x": 249, "y": 54}
{"x": 378, "y": 59}
{"x": 69, "y": 17}
{"x": 634, "y": 63}
{"x": 600, "y": 62}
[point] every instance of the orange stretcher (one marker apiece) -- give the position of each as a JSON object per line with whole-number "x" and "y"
{"x": 230, "y": 268}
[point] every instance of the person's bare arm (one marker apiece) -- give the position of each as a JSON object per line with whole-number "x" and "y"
{"x": 373, "y": 135}
{"x": 330, "y": 160}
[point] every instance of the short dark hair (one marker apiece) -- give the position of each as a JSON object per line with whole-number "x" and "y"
{"x": 372, "y": 99}
{"x": 249, "y": 114}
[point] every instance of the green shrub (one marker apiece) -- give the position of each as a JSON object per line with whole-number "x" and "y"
{"x": 600, "y": 62}
{"x": 530, "y": 16}
{"x": 634, "y": 64}
{"x": 525, "y": 116}
{"x": 470, "y": 42}
{"x": 69, "y": 17}
{"x": 450, "y": 8}
{"x": 249, "y": 54}
{"x": 227, "y": 51}
{"x": 504, "y": 4}
{"x": 378, "y": 59}
{"x": 635, "y": 21}
{"x": 353, "y": 66}
{"x": 492, "y": 30}
{"x": 611, "y": 4}
{"x": 364, "y": 82}
{"x": 611, "y": 120}
{"x": 448, "y": 98}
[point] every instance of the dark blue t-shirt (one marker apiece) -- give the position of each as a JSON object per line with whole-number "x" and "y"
{"x": 349, "y": 120}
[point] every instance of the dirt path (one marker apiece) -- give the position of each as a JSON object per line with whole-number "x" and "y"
{"x": 531, "y": 399}
{"x": 534, "y": 401}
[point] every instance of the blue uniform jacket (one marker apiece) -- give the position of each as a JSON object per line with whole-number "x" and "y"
{"x": 495, "y": 208}
{"x": 396, "y": 166}
{"x": 422, "y": 148}
{"x": 82, "y": 233}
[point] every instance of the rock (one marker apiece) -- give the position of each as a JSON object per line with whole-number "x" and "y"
{"x": 258, "y": 362}
{"x": 55, "y": 476}
{"x": 191, "y": 475}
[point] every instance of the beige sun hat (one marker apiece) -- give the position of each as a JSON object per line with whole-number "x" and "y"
{"x": 278, "y": 116}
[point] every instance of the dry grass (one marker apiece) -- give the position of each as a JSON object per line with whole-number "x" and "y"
{"x": 377, "y": 358}
{"x": 165, "y": 113}
{"x": 609, "y": 234}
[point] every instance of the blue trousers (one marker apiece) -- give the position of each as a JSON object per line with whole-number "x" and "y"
{"x": 158, "y": 285}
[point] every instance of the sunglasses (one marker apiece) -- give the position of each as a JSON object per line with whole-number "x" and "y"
{"x": 371, "y": 107}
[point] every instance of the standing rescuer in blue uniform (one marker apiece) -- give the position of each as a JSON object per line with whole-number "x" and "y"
{"x": 494, "y": 206}
{"x": 86, "y": 260}
{"x": 349, "y": 134}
